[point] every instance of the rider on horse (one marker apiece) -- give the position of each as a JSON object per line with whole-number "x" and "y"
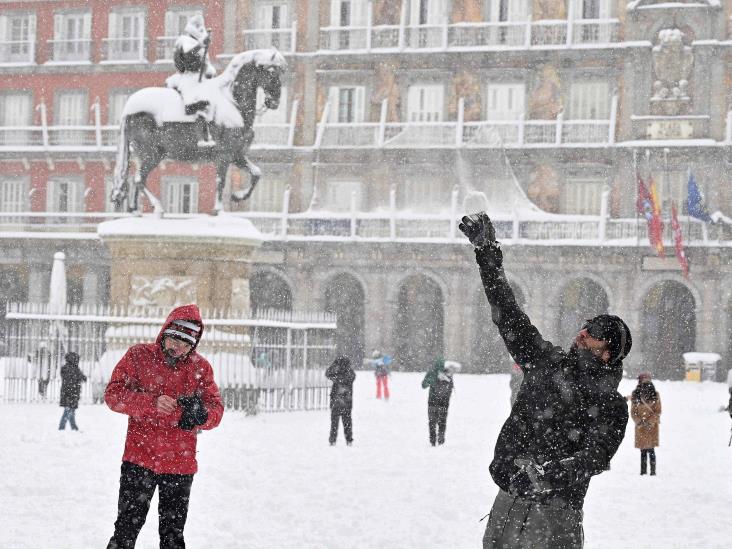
{"x": 191, "y": 61}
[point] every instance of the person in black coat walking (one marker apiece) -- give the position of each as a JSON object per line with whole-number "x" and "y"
{"x": 341, "y": 398}
{"x": 568, "y": 419}
{"x": 440, "y": 382}
{"x": 71, "y": 380}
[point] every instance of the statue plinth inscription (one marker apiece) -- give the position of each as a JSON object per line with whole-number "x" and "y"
{"x": 167, "y": 262}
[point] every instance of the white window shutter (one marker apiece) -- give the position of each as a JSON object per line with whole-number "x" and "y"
{"x": 284, "y": 16}
{"x": 58, "y": 27}
{"x": 113, "y": 31}
{"x": 359, "y": 13}
{"x": 171, "y": 18}
{"x": 335, "y": 13}
{"x": 436, "y": 12}
{"x": 87, "y": 20}
{"x": 32, "y": 27}
{"x": 360, "y": 104}
{"x": 333, "y": 99}
{"x": 3, "y": 27}
{"x": 518, "y": 10}
{"x": 414, "y": 6}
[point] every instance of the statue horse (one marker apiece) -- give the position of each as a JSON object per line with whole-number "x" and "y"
{"x": 155, "y": 126}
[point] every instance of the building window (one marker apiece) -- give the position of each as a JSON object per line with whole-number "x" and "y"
{"x": 65, "y": 195}
{"x": 17, "y": 38}
{"x": 180, "y": 194}
{"x": 126, "y": 41}
{"x": 671, "y": 185}
{"x": 71, "y": 36}
{"x": 506, "y": 101}
{"x": 116, "y": 104}
{"x": 16, "y": 111}
{"x": 13, "y": 195}
{"x": 424, "y": 194}
{"x": 268, "y": 196}
{"x": 71, "y": 108}
{"x": 339, "y": 194}
{"x": 589, "y": 100}
{"x": 583, "y": 196}
{"x": 176, "y": 20}
{"x": 273, "y": 18}
{"x": 347, "y": 104}
{"x": 425, "y": 103}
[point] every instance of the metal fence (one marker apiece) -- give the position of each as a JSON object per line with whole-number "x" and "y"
{"x": 271, "y": 361}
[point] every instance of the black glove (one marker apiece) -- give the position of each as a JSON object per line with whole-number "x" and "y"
{"x": 531, "y": 479}
{"x": 194, "y": 412}
{"x": 479, "y": 229}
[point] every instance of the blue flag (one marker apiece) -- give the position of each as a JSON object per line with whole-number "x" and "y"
{"x": 695, "y": 201}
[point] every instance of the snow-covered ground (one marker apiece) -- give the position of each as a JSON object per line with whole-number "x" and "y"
{"x": 272, "y": 481}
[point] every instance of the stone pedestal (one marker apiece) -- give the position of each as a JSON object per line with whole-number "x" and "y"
{"x": 164, "y": 262}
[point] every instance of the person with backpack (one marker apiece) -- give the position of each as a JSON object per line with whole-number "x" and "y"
{"x": 341, "y": 398}
{"x": 441, "y": 385}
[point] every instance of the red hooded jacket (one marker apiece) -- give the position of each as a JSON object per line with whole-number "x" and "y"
{"x": 154, "y": 440}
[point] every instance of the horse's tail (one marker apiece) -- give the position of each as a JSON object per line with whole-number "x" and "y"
{"x": 122, "y": 166}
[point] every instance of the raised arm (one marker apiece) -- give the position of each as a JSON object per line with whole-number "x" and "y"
{"x": 522, "y": 338}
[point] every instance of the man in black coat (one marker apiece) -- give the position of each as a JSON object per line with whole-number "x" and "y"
{"x": 71, "y": 380}
{"x": 341, "y": 398}
{"x": 568, "y": 419}
{"x": 439, "y": 380}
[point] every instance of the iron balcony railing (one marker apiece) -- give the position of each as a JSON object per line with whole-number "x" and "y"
{"x": 131, "y": 49}
{"x": 18, "y": 52}
{"x": 284, "y": 39}
{"x": 395, "y": 225}
{"x": 459, "y": 133}
{"x": 564, "y": 33}
{"x": 165, "y": 48}
{"x": 69, "y": 51}
{"x": 47, "y": 137}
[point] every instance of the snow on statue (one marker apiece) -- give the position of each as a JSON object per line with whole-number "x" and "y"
{"x": 198, "y": 118}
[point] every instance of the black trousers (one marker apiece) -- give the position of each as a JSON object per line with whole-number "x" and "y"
{"x": 437, "y": 417}
{"x": 336, "y": 415}
{"x": 651, "y": 454}
{"x": 136, "y": 488}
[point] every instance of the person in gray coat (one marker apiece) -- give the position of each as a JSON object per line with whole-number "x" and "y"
{"x": 71, "y": 380}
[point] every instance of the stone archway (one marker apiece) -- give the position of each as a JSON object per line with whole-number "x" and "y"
{"x": 419, "y": 327}
{"x": 344, "y": 297}
{"x": 580, "y": 300}
{"x": 668, "y": 329}
{"x": 488, "y": 351}
{"x": 268, "y": 290}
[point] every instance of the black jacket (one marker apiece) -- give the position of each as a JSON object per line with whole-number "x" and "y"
{"x": 441, "y": 385}
{"x": 568, "y": 409}
{"x": 71, "y": 380}
{"x": 342, "y": 376}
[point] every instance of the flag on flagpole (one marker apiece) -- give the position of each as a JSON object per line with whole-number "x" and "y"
{"x": 695, "y": 201}
{"x": 679, "y": 241}
{"x": 655, "y": 223}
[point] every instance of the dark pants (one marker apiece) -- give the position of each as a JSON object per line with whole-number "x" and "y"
{"x": 343, "y": 414}
{"x": 70, "y": 415}
{"x": 437, "y": 417}
{"x": 517, "y": 523}
{"x": 136, "y": 487}
{"x": 650, "y": 453}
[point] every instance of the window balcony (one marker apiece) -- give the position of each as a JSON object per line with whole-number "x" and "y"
{"x": 546, "y": 34}
{"x": 165, "y": 48}
{"x": 104, "y": 138}
{"x": 483, "y": 134}
{"x": 17, "y": 52}
{"x": 124, "y": 50}
{"x": 284, "y": 39}
{"x": 69, "y": 51}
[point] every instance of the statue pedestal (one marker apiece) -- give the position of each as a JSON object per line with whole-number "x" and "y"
{"x": 167, "y": 262}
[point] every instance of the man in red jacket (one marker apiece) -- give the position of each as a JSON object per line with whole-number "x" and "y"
{"x": 169, "y": 393}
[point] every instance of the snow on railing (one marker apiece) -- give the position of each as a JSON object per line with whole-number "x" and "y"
{"x": 470, "y": 36}
{"x": 284, "y": 39}
{"x": 393, "y": 224}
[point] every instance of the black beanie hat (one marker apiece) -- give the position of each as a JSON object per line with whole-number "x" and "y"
{"x": 617, "y": 334}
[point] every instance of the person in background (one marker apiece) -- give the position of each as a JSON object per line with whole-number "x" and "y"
{"x": 645, "y": 409}
{"x": 168, "y": 391}
{"x": 441, "y": 385}
{"x": 381, "y": 371}
{"x": 341, "y": 398}
{"x": 71, "y": 380}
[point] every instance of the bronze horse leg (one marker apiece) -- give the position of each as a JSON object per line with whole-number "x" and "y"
{"x": 254, "y": 174}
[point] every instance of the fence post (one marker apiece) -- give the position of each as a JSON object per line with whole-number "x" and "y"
{"x": 392, "y": 212}
{"x": 527, "y": 38}
{"x": 558, "y": 128}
